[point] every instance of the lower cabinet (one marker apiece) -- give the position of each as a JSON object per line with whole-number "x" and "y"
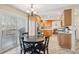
{"x": 64, "y": 40}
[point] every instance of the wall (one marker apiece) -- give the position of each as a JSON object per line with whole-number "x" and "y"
{"x": 76, "y": 21}
{"x": 56, "y": 24}
{"x": 11, "y": 10}
{"x": 75, "y": 26}
{"x": 8, "y": 9}
{"x": 8, "y": 15}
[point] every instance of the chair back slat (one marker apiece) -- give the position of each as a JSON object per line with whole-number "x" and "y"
{"x": 46, "y": 41}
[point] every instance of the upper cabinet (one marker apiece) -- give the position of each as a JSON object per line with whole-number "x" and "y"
{"x": 67, "y": 17}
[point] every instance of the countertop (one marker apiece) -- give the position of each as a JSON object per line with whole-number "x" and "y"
{"x": 64, "y": 32}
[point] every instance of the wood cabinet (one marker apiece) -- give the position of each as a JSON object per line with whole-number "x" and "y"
{"x": 64, "y": 40}
{"x": 67, "y": 17}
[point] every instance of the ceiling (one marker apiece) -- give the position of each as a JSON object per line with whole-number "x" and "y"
{"x": 44, "y": 10}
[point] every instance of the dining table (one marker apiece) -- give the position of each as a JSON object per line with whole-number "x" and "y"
{"x": 34, "y": 40}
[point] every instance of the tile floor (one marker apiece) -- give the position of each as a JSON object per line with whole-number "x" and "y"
{"x": 54, "y": 48}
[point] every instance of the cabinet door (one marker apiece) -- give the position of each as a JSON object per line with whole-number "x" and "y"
{"x": 68, "y": 41}
{"x": 62, "y": 40}
{"x": 65, "y": 40}
{"x": 67, "y": 17}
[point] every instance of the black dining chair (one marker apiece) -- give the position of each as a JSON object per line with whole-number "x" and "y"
{"x": 25, "y": 33}
{"x": 43, "y": 46}
{"x": 21, "y": 45}
{"x": 21, "y": 42}
{"x": 27, "y": 47}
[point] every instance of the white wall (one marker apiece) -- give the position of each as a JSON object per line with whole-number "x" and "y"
{"x": 56, "y": 25}
{"x": 21, "y": 22}
{"x": 8, "y": 19}
{"x": 10, "y": 10}
{"x": 76, "y": 21}
{"x": 8, "y": 16}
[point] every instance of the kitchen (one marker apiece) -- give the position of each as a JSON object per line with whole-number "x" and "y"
{"x": 61, "y": 23}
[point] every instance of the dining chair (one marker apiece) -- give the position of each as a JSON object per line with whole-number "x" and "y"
{"x": 20, "y": 40}
{"x": 25, "y": 33}
{"x": 43, "y": 46}
{"x": 27, "y": 47}
{"x": 21, "y": 31}
{"x": 21, "y": 45}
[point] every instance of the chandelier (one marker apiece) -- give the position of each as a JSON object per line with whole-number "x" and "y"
{"x": 32, "y": 11}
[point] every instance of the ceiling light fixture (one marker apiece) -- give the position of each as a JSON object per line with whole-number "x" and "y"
{"x": 32, "y": 11}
